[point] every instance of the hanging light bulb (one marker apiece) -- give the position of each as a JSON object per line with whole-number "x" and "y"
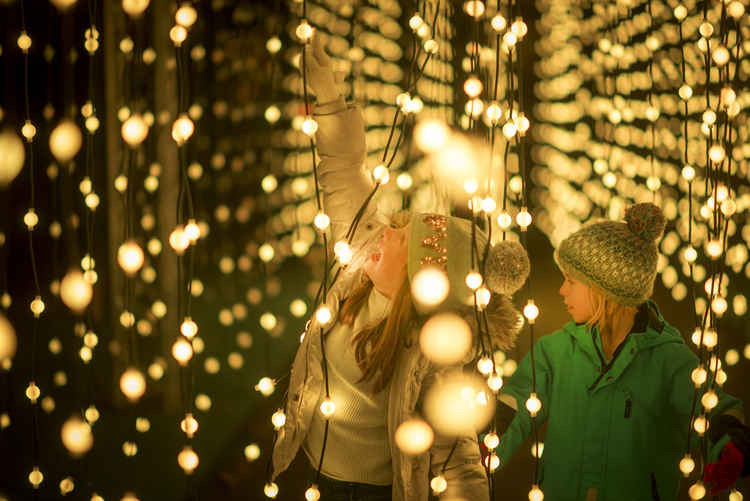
{"x": 130, "y": 257}
{"x": 182, "y": 129}
{"x": 132, "y": 384}
{"x": 65, "y": 141}
{"x": 186, "y": 15}
{"x": 75, "y": 291}
{"x": 533, "y": 404}
{"x": 76, "y": 436}
{"x": 188, "y": 459}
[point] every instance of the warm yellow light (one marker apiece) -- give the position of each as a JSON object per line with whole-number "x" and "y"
{"x": 189, "y": 425}
{"x": 182, "y": 129}
{"x": 327, "y": 407}
{"x": 523, "y": 218}
{"x": 24, "y": 42}
{"x": 188, "y": 459}
{"x": 714, "y": 248}
{"x": 278, "y": 419}
{"x": 8, "y": 339}
{"x": 182, "y": 351}
{"x": 134, "y": 130}
{"x": 266, "y": 386}
{"x": 28, "y": 131}
{"x": 533, "y": 404}
{"x": 688, "y": 172}
{"x": 430, "y": 135}
{"x": 271, "y": 490}
{"x": 322, "y": 221}
{"x": 438, "y": 484}
{"x": 178, "y": 34}
{"x": 37, "y": 306}
{"x": 485, "y": 365}
{"x": 430, "y": 286}
{"x": 685, "y": 92}
{"x": 499, "y": 23}
{"x": 716, "y": 153}
{"x": 445, "y": 339}
{"x": 312, "y": 493}
{"x": 76, "y": 436}
{"x": 709, "y": 400}
{"x": 720, "y": 55}
{"x": 179, "y": 240}
{"x": 536, "y": 494}
{"x": 132, "y": 384}
{"x": 309, "y": 126}
{"x": 36, "y": 477}
{"x": 134, "y": 8}
{"x": 189, "y": 328}
{"x": 504, "y": 220}
{"x": 186, "y": 16}
{"x": 680, "y": 12}
{"x": 65, "y": 141}
{"x": 697, "y": 491}
{"x": 343, "y": 251}
{"x": 30, "y": 219}
{"x": 75, "y": 291}
{"x": 323, "y": 315}
{"x": 700, "y": 425}
{"x": 381, "y": 174}
{"x": 414, "y": 436}
{"x": 130, "y": 257}
{"x": 304, "y": 31}
{"x": 13, "y": 157}
{"x": 491, "y": 440}
{"x": 473, "y": 87}
{"x": 273, "y": 45}
{"x": 252, "y": 452}
{"x": 430, "y": 46}
{"x": 415, "y": 22}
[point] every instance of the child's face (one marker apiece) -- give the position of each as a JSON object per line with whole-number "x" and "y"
{"x": 577, "y": 297}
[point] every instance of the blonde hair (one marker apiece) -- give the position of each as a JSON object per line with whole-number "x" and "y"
{"x": 608, "y": 315}
{"x": 376, "y": 347}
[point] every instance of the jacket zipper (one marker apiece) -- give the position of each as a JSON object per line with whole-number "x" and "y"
{"x": 605, "y": 366}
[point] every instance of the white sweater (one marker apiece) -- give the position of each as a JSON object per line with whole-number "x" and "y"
{"x": 357, "y": 449}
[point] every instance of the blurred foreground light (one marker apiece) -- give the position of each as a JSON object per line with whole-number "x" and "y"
{"x": 430, "y": 286}
{"x": 132, "y": 384}
{"x": 134, "y": 8}
{"x": 12, "y": 158}
{"x": 186, "y": 16}
{"x": 252, "y": 452}
{"x": 414, "y": 436}
{"x": 8, "y": 339}
{"x": 76, "y": 436}
{"x": 458, "y": 405}
{"x": 445, "y": 338}
{"x": 431, "y": 135}
{"x": 65, "y": 141}
{"x": 75, "y": 291}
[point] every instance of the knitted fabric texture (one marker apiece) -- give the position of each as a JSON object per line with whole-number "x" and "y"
{"x": 618, "y": 258}
{"x": 445, "y": 242}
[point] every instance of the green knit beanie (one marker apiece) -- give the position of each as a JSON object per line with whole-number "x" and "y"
{"x": 445, "y": 242}
{"x": 617, "y": 257}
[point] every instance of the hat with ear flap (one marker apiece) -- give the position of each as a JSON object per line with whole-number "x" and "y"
{"x": 445, "y": 242}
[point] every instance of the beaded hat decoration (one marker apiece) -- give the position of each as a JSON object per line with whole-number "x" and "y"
{"x": 618, "y": 258}
{"x": 445, "y": 242}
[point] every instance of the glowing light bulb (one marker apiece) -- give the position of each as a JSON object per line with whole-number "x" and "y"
{"x": 473, "y": 280}
{"x": 700, "y": 425}
{"x": 343, "y": 252}
{"x": 504, "y": 220}
{"x": 186, "y": 16}
{"x": 713, "y": 249}
{"x": 309, "y": 126}
{"x": 37, "y": 306}
{"x": 493, "y": 113}
{"x": 485, "y": 365}
{"x": 491, "y": 440}
{"x": 495, "y": 382}
{"x": 189, "y": 425}
{"x": 273, "y": 45}
{"x": 414, "y": 436}
{"x": 312, "y": 493}
{"x": 75, "y": 291}
{"x": 36, "y": 477}
{"x": 688, "y": 172}
{"x": 130, "y": 257}
{"x": 327, "y": 407}
{"x": 30, "y": 219}
{"x": 304, "y": 31}
{"x": 431, "y": 135}
{"x": 509, "y": 129}
{"x": 438, "y": 484}
{"x": 192, "y": 231}
{"x": 473, "y": 87}
{"x": 188, "y": 459}
{"x": 716, "y": 153}
{"x": 134, "y": 130}
{"x": 483, "y": 297}
{"x": 323, "y": 315}
{"x": 182, "y": 129}
{"x": 271, "y": 490}
{"x": 266, "y": 386}
{"x": 680, "y": 12}
{"x": 76, "y": 436}
{"x": 65, "y": 141}
{"x": 189, "y": 328}
{"x": 430, "y": 286}
{"x": 272, "y": 114}
{"x": 134, "y": 8}
{"x": 523, "y": 218}
{"x": 531, "y": 311}
{"x": 697, "y": 491}
{"x": 13, "y": 157}
{"x": 381, "y": 174}
{"x": 322, "y": 221}
{"x": 132, "y": 384}
{"x": 179, "y": 240}
{"x": 182, "y": 351}
{"x": 178, "y": 34}
{"x": 536, "y": 494}
{"x": 430, "y": 46}
{"x": 499, "y": 23}
{"x": 691, "y": 254}
{"x": 720, "y": 55}
{"x": 685, "y": 92}
{"x": 33, "y": 392}
{"x": 709, "y": 400}
{"x": 278, "y": 419}
{"x": 533, "y": 404}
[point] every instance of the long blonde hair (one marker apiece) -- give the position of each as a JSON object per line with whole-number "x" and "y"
{"x": 608, "y": 315}
{"x": 376, "y": 347}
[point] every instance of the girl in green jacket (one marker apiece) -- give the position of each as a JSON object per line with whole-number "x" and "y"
{"x": 615, "y": 382}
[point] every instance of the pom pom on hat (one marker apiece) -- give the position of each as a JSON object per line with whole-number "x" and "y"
{"x": 507, "y": 267}
{"x": 645, "y": 220}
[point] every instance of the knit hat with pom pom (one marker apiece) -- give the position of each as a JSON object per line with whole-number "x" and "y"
{"x": 445, "y": 242}
{"x": 618, "y": 258}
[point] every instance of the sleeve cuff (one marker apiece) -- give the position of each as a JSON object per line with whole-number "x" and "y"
{"x": 330, "y": 107}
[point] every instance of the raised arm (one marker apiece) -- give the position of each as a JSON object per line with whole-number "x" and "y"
{"x": 341, "y": 145}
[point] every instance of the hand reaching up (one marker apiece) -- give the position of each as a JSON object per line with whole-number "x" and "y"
{"x": 320, "y": 77}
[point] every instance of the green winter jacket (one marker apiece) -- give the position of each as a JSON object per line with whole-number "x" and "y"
{"x": 620, "y": 431}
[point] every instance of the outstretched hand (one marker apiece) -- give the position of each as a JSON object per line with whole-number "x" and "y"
{"x": 319, "y": 67}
